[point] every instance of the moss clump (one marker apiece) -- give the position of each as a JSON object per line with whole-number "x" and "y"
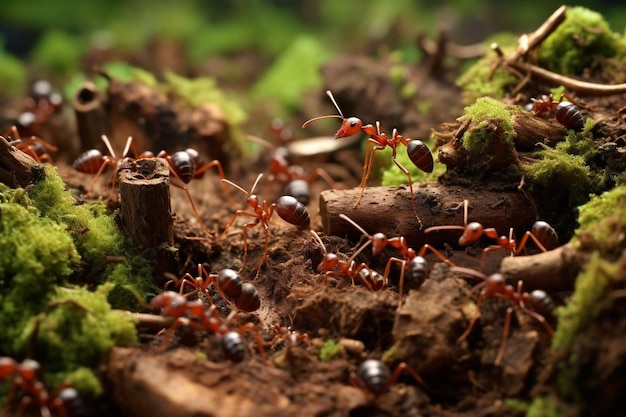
{"x": 583, "y": 37}
{"x": 486, "y": 112}
{"x": 543, "y": 406}
{"x": 483, "y": 78}
{"x": 562, "y": 182}
{"x": 329, "y": 350}
{"x": 77, "y": 332}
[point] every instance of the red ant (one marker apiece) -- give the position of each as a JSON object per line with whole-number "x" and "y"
{"x": 287, "y": 207}
{"x": 537, "y": 304}
{"x": 196, "y": 315}
{"x": 417, "y": 151}
{"x": 27, "y": 377}
{"x": 376, "y": 377}
{"x": 41, "y": 104}
{"x": 228, "y": 284}
{"x": 541, "y": 233}
{"x": 565, "y": 112}
{"x": 412, "y": 262}
{"x": 291, "y": 337}
{"x": 297, "y": 182}
{"x": 34, "y": 146}
{"x": 331, "y": 265}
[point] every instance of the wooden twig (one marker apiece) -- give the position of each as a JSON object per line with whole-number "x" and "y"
{"x": 530, "y": 41}
{"x": 552, "y": 271}
{"x": 91, "y": 119}
{"x": 388, "y": 210}
{"x": 17, "y": 169}
{"x": 145, "y": 195}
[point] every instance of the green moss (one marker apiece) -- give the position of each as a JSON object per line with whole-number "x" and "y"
{"x": 559, "y": 176}
{"x": 12, "y": 73}
{"x": 581, "y": 39}
{"x": 491, "y": 132}
{"x": 78, "y": 331}
{"x": 515, "y": 406}
{"x": 543, "y": 406}
{"x": 295, "y": 71}
{"x": 394, "y": 176}
{"x": 58, "y": 52}
{"x": 329, "y": 350}
{"x": 483, "y": 78}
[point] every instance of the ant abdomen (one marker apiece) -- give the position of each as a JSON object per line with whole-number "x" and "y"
{"x": 418, "y": 272}
{"x": 373, "y": 375}
{"x": 542, "y": 303}
{"x": 233, "y": 346}
{"x": 249, "y": 300}
{"x": 545, "y": 234}
{"x": 569, "y": 115}
{"x": 89, "y": 162}
{"x": 184, "y": 165}
{"x": 292, "y": 211}
{"x": 420, "y": 155}
{"x": 230, "y": 283}
{"x": 299, "y": 189}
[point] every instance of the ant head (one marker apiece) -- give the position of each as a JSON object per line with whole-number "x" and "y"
{"x": 379, "y": 242}
{"x": 349, "y": 126}
{"x": 328, "y": 262}
{"x": 473, "y": 232}
{"x": 253, "y": 200}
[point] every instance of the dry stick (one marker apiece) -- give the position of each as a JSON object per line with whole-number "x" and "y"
{"x": 528, "y": 42}
{"x": 146, "y": 211}
{"x": 388, "y": 210}
{"x": 17, "y": 169}
{"x": 91, "y": 119}
{"x": 551, "y": 271}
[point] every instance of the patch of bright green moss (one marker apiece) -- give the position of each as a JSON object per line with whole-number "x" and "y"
{"x": 543, "y": 406}
{"x": 559, "y": 176}
{"x": 329, "y": 350}
{"x": 484, "y": 112}
{"x": 78, "y": 331}
{"x": 583, "y": 37}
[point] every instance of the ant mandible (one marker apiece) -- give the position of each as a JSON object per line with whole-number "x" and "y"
{"x": 287, "y": 207}
{"x": 412, "y": 262}
{"x": 26, "y": 378}
{"x": 565, "y": 112}
{"x": 417, "y": 151}
{"x": 536, "y": 304}
{"x": 541, "y": 233}
{"x": 228, "y": 284}
{"x": 196, "y": 315}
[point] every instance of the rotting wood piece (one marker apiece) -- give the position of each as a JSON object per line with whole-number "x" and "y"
{"x": 91, "y": 119}
{"x": 552, "y": 271}
{"x": 17, "y": 169}
{"x": 145, "y": 198}
{"x": 388, "y": 210}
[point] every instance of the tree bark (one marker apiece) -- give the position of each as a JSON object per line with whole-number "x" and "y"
{"x": 17, "y": 169}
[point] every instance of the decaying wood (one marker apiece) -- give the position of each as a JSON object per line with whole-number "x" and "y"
{"x": 551, "y": 271}
{"x": 388, "y": 210}
{"x": 17, "y": 169}
{"x": 145, "y": 196}
{"x": 90, "y": 115}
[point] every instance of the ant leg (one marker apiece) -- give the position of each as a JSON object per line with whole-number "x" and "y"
{"x": 488, "y": 249}
{"x": 183, "y": 187}
{"x": 436, "y": 253}
{"x": 367, "y": 169}
{"x": 408, "y": 175}
{"x": 505, "y": 335}
{"x": 251, "y": 328}
{"x": 403, "y": 366}
{"x": 220, "y": 170}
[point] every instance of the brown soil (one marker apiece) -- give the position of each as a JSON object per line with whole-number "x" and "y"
{"x": 191, "y": 377}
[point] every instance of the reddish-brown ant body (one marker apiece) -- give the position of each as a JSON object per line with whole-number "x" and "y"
{"x": 536, "y": 304}
{"x": 197, "y": 315}
{"x": 376, "y": 377}
{"x": 565, "y": 112}
{"x": 541, "y": 233}
{"x": 332, "y": 265}
{"x": 417, "y": 151}
{"x": 40, "y": 106}
{"x": 296, "y": 180}
{"x": 410, "y": 261}
{"x": 33, "y": 146}
{"x": 287, "y": 207}
{"x": 227, "y": 282}
{"x": 27, "y": 380}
